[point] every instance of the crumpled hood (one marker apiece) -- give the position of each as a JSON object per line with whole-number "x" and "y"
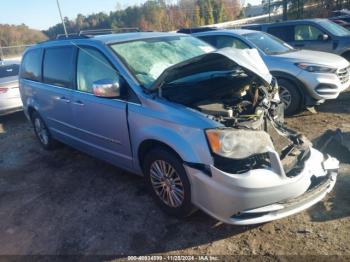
{"x": 219, "y": 60}
{"x": 315, "y": 57}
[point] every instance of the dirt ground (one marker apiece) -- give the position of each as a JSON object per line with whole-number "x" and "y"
{"x": 65, "y": 202}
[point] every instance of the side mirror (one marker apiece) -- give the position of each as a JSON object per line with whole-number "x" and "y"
{"x": 324, "y": 37}
{"x": 106, "y": 88}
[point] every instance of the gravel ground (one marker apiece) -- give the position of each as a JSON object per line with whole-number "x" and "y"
{"x": 65, "y": 202}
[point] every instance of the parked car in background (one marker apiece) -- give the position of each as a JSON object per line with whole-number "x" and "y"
{"x": 314, "y": 34}
{"x": 204, "y": 127}
{"x": 10, "y": 100}
{"x": 341, "y": 12}
{"x": 342, "y": 23}
{"x": 304, "y": 77}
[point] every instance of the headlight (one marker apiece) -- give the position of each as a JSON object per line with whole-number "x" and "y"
{"x": 314, "y": 68}
{"x": 238, "y": 144}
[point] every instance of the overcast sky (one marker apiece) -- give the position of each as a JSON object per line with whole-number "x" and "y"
{"x": 41, "y": 14}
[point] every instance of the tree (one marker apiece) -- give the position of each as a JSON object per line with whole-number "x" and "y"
{"x": 209, "y": 18}
{"x": 155, "y": 15}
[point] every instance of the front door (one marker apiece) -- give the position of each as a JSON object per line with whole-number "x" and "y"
{"x": 100, "y": 123}
{"x": 307, "y": 36}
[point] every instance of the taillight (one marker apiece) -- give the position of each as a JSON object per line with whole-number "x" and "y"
{"x": 3, "y": 90}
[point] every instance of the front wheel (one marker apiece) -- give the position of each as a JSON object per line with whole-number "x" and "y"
{"x": 290, "y": 96}
{"x": 168, "y": 182}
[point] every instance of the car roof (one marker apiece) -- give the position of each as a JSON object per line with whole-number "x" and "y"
{"x": 108, "y": 38}
{"x": 292, "y": 22}
{"x": 234, "y": 31}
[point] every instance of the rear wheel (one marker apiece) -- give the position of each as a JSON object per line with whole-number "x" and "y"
{"x": 168, "y": 182}
{"x": 42, "y": 132}
{"x": 290, "y": 96}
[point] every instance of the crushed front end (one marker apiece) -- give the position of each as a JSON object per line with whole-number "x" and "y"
{"x": 261, "y": 170}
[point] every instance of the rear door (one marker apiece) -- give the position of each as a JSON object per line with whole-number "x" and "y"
{"x": 283, "y": 32}
{"x": 100, "y": 123}
{"x": 55, "y": 94}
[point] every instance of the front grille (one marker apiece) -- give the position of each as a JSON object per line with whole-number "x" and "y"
{"x": 343, "y": 75}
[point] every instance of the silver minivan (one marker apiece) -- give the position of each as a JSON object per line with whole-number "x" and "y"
{"x": 204, "y": 127}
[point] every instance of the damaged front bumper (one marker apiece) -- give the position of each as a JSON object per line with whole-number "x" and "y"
{"x": 262, "y": 195}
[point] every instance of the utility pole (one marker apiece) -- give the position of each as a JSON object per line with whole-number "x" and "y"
{"x": 64, "y": 26}
{"x": 269, "y": 11}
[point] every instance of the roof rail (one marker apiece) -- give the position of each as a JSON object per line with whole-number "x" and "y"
{"x": 70, "y": 36}
{"x": 197, "y": 29}
{"x": 108, "y": 31}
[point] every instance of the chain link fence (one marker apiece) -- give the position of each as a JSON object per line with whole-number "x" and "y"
{"x": 12, "y": 52}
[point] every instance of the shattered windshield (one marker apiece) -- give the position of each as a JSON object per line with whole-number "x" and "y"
{"x": 148, "y": 58}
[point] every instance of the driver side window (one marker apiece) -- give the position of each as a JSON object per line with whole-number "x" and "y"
{"x": 307, "y": 33}
{"x": 92, "y": 66}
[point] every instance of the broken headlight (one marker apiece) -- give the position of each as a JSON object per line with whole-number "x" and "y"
{"x": 238, "y": 144}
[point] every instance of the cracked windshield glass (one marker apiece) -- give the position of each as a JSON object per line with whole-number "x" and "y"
{"x": 148, "y": 58}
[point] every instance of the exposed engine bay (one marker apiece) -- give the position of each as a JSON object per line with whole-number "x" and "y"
{"x": 241, "y": 100}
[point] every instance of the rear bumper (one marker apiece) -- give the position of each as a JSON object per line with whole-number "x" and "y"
{"x": 10, "y": 101}
{"x": 10, "y": 110}
{"x": 262, "y": 195}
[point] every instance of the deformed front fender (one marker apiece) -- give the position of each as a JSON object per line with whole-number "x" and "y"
{"x": 188, "y": 142}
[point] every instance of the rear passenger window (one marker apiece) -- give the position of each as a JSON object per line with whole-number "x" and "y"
{"x": 286, "y": 33}
{"x": 228, "y": 41}
{"x": 58, "y": 67}
{"x": 31, "y": 65}
{"x": 222, "y": 41}
{"x": 208, "y": 39}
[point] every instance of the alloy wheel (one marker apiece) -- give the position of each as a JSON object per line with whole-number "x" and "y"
{"x": 167, "y": 183}
{"x": 41, "y": 131}
{"x": 285, "y": 96}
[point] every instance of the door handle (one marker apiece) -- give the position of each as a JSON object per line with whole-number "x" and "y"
{"x": 78, "y": 103}
{"x": 64, "y": 99}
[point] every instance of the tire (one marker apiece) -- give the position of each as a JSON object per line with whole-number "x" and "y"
{"x": 346, "y": 56}
{"x": 290, "y": 96}
{"x": 176, "y": 204}
{"x": 42, "y": 132}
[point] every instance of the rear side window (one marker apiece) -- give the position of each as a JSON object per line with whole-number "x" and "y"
{"x": 211, "y": 40}
{"x": 223, "y": 41}
{"x": 31, "y": 65}
{"x": 58, "y": 66}
{"x": 286, "y": 33}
